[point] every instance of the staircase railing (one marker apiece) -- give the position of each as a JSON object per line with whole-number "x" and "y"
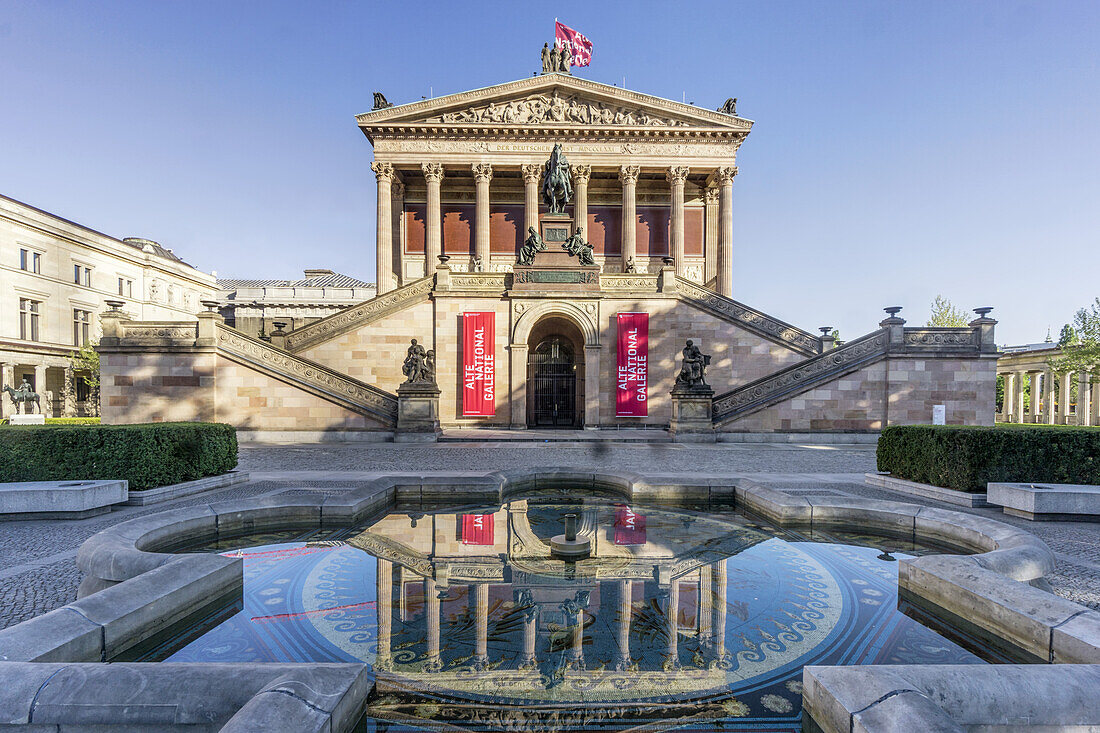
{"x": 800, "y": 377}
{"x": 358, "y": 315}
{"x": 327, "y": 383}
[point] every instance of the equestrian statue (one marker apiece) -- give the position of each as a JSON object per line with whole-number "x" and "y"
{"x": 25, "y": 396}
{"x": 557, "y": 182}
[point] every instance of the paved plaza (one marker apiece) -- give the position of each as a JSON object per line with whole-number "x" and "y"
{"x": 38, "y": 571}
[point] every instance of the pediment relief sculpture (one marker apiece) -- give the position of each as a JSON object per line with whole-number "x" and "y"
{"x": 553, "y": 108}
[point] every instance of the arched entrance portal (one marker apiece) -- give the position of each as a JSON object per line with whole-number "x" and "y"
{"x": 555, "y": 375}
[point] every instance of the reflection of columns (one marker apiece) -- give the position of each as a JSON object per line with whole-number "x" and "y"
{"x": 725, "y": 230}
{"x": 576, "y": 656}
{"x": 532, "y": 174}
{"x": 710, "y": 236}
{"x": 718, "y": 576}
{"x": 1018, "y": 405}
{"x": 481, "y": 623}
{"x": 483, "y": 173}
{"x": 1065, "y": 386}
{"x": 1008, "y": 403}
{"x": 628, "y": 175}
{"x": 384, "y": 610}
{"x": 433, "y": 235}
{"x": 384, "y": 239}
{"x": 626, "y": 609}
{"x": 530, "y": 627}
{"x": 431, "y": 619}
{"x": 1049, "y": 398}
{"x": 672, "y": 627}
{"x": 706, "y": 603}
{"x": 676, "y": 175}
{"x": 581, "y": 174}
{"x": 517, "y": 354}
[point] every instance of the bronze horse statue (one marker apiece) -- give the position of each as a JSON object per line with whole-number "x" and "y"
{"x": 24, "y": 395}
{"x": 557, "y": 182}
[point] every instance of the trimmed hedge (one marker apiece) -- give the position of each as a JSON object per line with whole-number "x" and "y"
{"x": 966, "y": 458}
{"x": 147, "y": 455}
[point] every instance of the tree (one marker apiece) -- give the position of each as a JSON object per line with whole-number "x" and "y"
{"x": 85, "y": 366}
{"x": 945, "y": 314}
{"x": 1079, "y": 343}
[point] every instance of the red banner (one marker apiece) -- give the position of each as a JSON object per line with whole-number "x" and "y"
{"x": 629, "y": 527}
{"x": 632, "y": 378}
{"x": 477, "y": 529}
{"x": 478, "y": 364}
{"x": 578, "y": 44}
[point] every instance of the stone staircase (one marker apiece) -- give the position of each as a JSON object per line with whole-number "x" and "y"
{"x": 800, "y": 377}
{"x": 320, "y": 380}
{"x": 359, "y": 315}
{"x": 748, "y": 318}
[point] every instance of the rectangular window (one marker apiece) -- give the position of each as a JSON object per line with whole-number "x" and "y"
{"x": 76, "y": 274}
{"x": 125, "y": 287}
{"x": 82, "y": 276}
{"x": 29, "y": 311}
{"x": 36, "y": 263}
{"x": 24, "y": 259}
{"x": 82, "y": 321}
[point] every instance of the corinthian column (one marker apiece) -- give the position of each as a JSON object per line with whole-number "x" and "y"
{"x": 718, "y": 628}
{"x": 676, "y": 175}
{"x": 628, "y": 175}
{"x": 672, "y": 627}
{"x": 433, "y": 240}
{"x": 384, "y": 609}
{"x": 581, "y": 174}
{"x": 483, "y": 173}
{"x": 626, "y": 609}
{"x": 481, "y": 622}
{"x": 532, "y": 174}
{"x": 725, "y": 229}
{"x": 384, "y": 239}
{"x": 397, "y": 191}
{"x": 710, "y": 236}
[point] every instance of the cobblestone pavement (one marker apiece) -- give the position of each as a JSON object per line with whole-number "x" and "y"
{"x": 38, "y": 572}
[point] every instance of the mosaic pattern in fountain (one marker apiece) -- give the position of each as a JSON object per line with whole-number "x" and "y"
{"x": 679, "y": 618}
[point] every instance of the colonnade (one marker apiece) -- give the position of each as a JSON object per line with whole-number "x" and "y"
{"x": 1050, "y": 404}
{"x": 710, "y": 622}
{"x": 719, "y": 189}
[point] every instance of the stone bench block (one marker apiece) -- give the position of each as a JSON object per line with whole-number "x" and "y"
{"x": 1047, "y": 501}
{"x": 1077, "y": 641}
{"x": 904, "y": 712}
{"x": 62, "y": 635}
{"x": 925, "y": 491}
{"x": 186, "y": 488}
{"x": 59, "y": 499}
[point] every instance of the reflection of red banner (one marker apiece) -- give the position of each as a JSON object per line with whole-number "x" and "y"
{"x": 632, "y": 394}
{"x": 477, "y": 529}
{"x": 478, "y": 365}
{"x": 629, "y": 527}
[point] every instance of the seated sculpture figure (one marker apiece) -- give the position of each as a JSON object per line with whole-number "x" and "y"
{"x": 419, "y": 365}
{"x": 531, "y": 246}
{"x": 576, "y": 246}
{"x": 693, "y": 368}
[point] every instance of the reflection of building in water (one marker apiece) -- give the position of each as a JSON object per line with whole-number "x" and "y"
{"x": 491, "y": 600}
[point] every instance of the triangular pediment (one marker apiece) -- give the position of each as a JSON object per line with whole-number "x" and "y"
{"x": 552, "y": 100}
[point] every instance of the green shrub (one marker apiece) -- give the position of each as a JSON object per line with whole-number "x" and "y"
{"x": 147, "y": 455}
{"x": 72, "y": 421}
{"x": 966, "y": 458}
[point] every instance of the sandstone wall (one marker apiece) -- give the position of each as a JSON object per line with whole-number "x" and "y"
{"x": 157, "y": 387}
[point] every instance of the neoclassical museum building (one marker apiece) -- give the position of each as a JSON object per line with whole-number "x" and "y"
{"x": 552, "y": 244}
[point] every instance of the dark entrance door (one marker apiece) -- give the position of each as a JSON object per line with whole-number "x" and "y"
{"x": 552, "y": 379}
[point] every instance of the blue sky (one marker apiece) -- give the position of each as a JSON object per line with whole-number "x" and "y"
{"x": 901, "y": 150}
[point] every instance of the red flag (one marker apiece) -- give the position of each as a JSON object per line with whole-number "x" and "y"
{"x": 632, "y": 355}
{"x": 477, "y": 529}
{"x": 478, "y": 364}
{"x": 578, "y": 44}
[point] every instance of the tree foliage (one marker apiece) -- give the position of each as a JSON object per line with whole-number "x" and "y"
{"x": 1080, "y": 342}
{"x": 945, "y": 314}
{"x": 85, "y": 363}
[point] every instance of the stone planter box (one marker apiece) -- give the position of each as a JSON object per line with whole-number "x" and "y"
{"x": 925, "y": 491}
{"x": 1047, "y": 501}
{"x": 187, "y": 488}
{"x": 59, "y": 499}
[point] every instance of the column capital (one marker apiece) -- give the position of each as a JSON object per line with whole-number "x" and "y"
{"x": 382, "y": 171}
{"x": 483, "y": 172}
{"x": 532, "y": 172}
{"x": 581, "y": 173}
{"x": 433, "y": 172}
{"x": 628, "y": 174}
{"x": 710, "y": 194}
{"x": 677, "y": 174}
{"x": 397, "y": 190}
{"x": 725, "y": 174}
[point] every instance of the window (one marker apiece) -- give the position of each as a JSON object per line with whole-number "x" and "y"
{"x": 82, "y": 321}
{"x": 29, "y": 311}
{"x": 30, "y": 261}
{"x": 82, "y": 276}
{"x": 125, "y": 287}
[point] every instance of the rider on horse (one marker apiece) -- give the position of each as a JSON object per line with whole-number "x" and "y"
{"x": 557, "y": 181}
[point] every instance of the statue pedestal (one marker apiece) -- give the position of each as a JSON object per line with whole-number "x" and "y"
{"x": 691, "y": 415}
{"x": 31, "y": 419}
{"x": 555, "y": 229}
{"x": 417, "y": 413}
